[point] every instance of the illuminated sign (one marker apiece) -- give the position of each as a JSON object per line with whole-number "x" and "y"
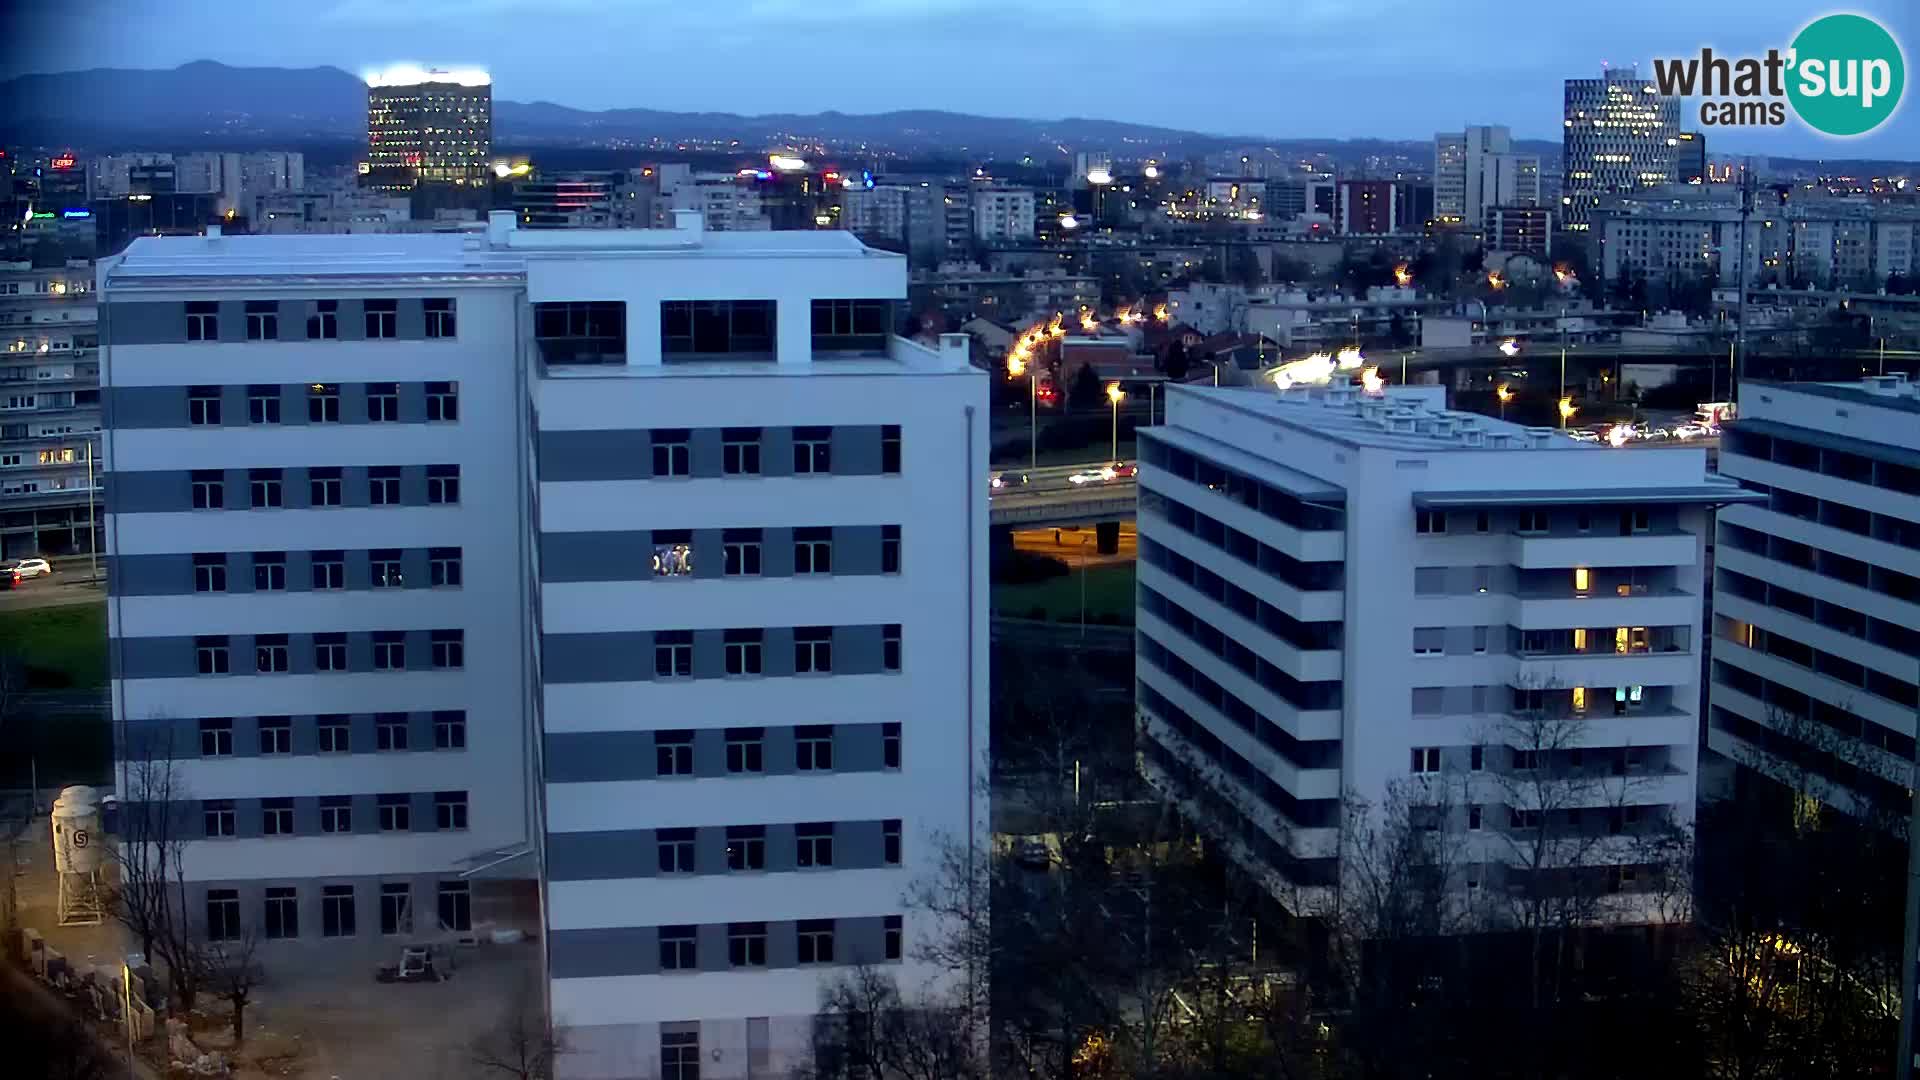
{"x": 40, "y": 215}
{"x": 866, "y": 178}
{"x": 63, "y": 162}
{"x": 76, "y": 213}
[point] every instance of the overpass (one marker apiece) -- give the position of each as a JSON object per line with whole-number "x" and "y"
{"x": 1047, "y": 497}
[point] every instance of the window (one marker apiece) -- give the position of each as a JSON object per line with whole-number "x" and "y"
{"x": 1580, "y": 639}
{"x": 329, "y": 570}
{"x": 209, "y": 489}
{"x": 895, "y": 930}
{"x": 323, "y": 403}
{"x": 276, "y": 735}
{"x": 396, "y": 907}
{"x": 1473, "y": 818}
{"x": 1582, "y": 581}
{"x": 746, "y": 847}
{"x": 323, "y": 486}
{"x": 216, "y": 736}
{"x": 1429, "y": 640}
{"x": 851, "y": 324}
{"x": 1579, "y": 699}
{"x": 449, "y": 649}
{"x": 223, "y": 914}
{"x": 203, "y": 320}
{"x": 741, "y": 552}
{"x": 890, "y": 745}
{"x": 673, "y": 753}
{"x": 815, "y": 941}
{"x": 740, "y": 451}
{"x": 336, "y": 813}
{"x": 210, "y": 655}
{"x": 1479, "y": 641}
{"x": 1529, "y": 700}
{"x": 439, "y": 317}
{"x": 890, "y": 448}
{"x": 276, "y": 817}
{"x": 324, "y": 323}
{"x": 456, "y": 906}
{"x": 336, "y": 911}
{"x": 743, "y": 652}
{"x": 679, "y": 1055}
{"x": 1477, "y": 758}
{"x": 1629, "y": 699}
{"x": 389, "y": 650}
{"x": 449, "y": 730}
{"x": 263, "y": 404}
{"x": 716, "y": 326}
{"x": 209, "y": 572}
{"x": 383, "y": 402}
{"x": 1523, "y": 819}
{"x": 390, "y": 731}
{"x": 449, "y": 810}
{"x": 675, "y": 848}
{"x": 812, "y": 649}
{"x": 813, "y": 747}
{"x": 443, "y": 484}
{"x": 812, "y": 450}
{"x": 334, "y": 733}
{"x": 203, "y": 405}
{"x": 443, "y": 402}
{"x": 217, "y": 816}
{"x": 1430, "y": 522}
{"x": 890, "y": 841}
{"x": 672, "y": 452}
{"x": 747, "y": 944}
{"x": 1482, "y": 521}
{"x": 443, "y": 567}
{"x": 673, "y": 654}
{"x": 813, "y": 551}
{"x": 263, "y": 320}
{"x": 330, "y": 652}
{"x": 745, "y": 748}
{"x": 384, "y": 566}
{"x": 263, "y": 488}
{"x": 396, "y": 813}
{"x": 672, "y": 553}
{"x": 1583, "y": 521}
{"x": 383, "y": 319}
{"x": 889, "y": 549}
{"x": 269, "y": 571}
{"x": 890, "y": 647}
{"x": 1534, "y": 521}
{"x": 383, "y": 485}
{"x": 1526, "y": 760}
{"x": 1426, "y": 759}
{"x": 1635, "y": 521}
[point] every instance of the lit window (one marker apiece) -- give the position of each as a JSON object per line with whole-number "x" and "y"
{"x": 1582, "y": 580}
{"x": 1579, "y": 699}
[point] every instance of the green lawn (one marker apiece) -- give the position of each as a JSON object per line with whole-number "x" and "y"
{"x": 1109, "y": 593}
{"x": 57, "y": 648}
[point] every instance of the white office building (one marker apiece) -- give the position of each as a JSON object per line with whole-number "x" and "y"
{"x": 1477, "y": 169}
{"x": 1816, "y": 599}
{"x": 1002, "y": 215}
{"x": 1346, "y": 594}
{"x": 1619, "y": 135}
{"x": 663, "y": 634}
{"x": 50, "y": 448}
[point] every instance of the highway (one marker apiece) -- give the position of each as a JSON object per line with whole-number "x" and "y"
{"x": 1048, "y": 497}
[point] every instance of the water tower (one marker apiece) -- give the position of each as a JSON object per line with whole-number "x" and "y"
{"x": 77, "y": 855}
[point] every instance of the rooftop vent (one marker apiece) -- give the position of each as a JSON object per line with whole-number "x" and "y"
{"x": 1474, "y": 437}
{"x": 1443, "y": 426}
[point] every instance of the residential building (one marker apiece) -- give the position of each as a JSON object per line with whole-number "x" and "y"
{"x": 333, "y": 211}
{"x": 51, "y": 460}
{"x": 432, "y": 127}
{"x": 678, "y": 622}
{"x": 726, "y": 202}
{"x": 1002, "y": 215}
{"x": 1478, "y": 168}
{"x": 1520, "y": 230}
{"x": 1620, "y": 135}
{"x": 573, "y": 200}
{"x": 1347, "y": 595}
{"x": 1816, "y": 593}
{"x": 1367, "y": 206}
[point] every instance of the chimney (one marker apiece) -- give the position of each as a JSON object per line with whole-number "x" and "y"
{"x": 499, "y": 224}
{"x": 956, "y": 349}
{"x": 689, "y": 221}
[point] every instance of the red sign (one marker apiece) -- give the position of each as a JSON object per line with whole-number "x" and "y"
{"x": 63, "y": 162}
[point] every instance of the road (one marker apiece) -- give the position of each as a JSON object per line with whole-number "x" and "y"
{"x": 54, "y": 590}
{"x": 1075, "y": 546}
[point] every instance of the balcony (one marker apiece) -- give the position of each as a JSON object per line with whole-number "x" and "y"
{"x": 1599, "y": 549}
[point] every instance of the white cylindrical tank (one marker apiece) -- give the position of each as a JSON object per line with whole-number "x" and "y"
{"x": 76, "y": 831}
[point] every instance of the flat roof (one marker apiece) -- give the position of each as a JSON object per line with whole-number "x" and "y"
{"x": 1290, "y": 480}
{"x": 1310, "y": 409}
{"x": 1898, "y": 455}
{"x": 1854, "y": 392}
{"x": 1708, "y": 491}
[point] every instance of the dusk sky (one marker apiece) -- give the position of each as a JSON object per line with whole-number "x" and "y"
{"x": 1283, "y": 68}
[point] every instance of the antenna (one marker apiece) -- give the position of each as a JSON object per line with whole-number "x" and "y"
{"x": 1740, "y": 329}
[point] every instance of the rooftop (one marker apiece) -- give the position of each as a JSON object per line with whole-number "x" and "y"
{"x": 1893, "y": 391}
{"x": 1399, "y": 418}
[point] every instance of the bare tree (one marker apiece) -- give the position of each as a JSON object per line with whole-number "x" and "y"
{"x": 869, "y": 1031}
{"x": 148, "y": 897}
{"x": 231, "y": 971}
{"x": 523, "y": 1045}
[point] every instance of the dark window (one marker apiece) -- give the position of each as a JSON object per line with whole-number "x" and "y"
{"x": 673, "y": 654}
{"x": 203, "y": 405}
{"x": 383, "y": 319}
{"x": 263, "y": 488}
{"x": 324, "y": 486}
{"x": 581, "y": 333}
{"x": 209, "y": 572}
{"x": 216, "y": 736}
{"x": 276, "y": 735}
{"x": 389, "y": 650}
{"x": 745, "y": 750}
{"x": 813, "y": 551}
{"x": 383, "y": 402}
{"x": 716, "y": 326}
{"x": 384, "y": 566}
{"x": 812, "y": 450}
{"x": 324, "y": 323}
{"x": 396, "y": 907}
{"x": 743, "y": 651}
{"x": 390, "y": 731}
{"x": 889, "y": 549}
{"x": 673, "y": 753}
{"x": 396, "y": 813}
{"x": 330, "y": 652}
{"x": 851, "y": 324}
{"x": 276, "y": 817}
{"x": 323, "y": 403}
{"x": 746, "y": 847}
{"x": 890, "y": 448}
{"x": 336, "y": 911}
{"x": 210, "y": 654}
{"x": 223, "y": 914}
{"x": 203, "y": 320}
{"x": 335, "y": 734}
{"x": 747, "y": 944}
{"x": 329, "y": 569}
{"x": 890, "y": 647}
{"x": 677, "y": 952}
{"x": 740, "y": 451}
{"x": 450, "y": 730}
{"x": 813, "y": 747}
{"x": 895, "y": 931}
{"x": 1430, "y": 521}
{"x": 815, "y": 941}
{"x": 449, "y": 648}
{"x": 217, "y": 817}
{"x": 263, "y": 404}
{"x": 383, "y": 485}
{"x": 336, "y": 813}
{"x": 439, "y": 317}
{"x": 671, "y": 452}
{"x": 449, "y": 810}
{"x": 890, "y": 745}
{"x": 209, "y": 489}
{"x": 443, "y": 402}
{"x": 443, "y": 567}
{"x": 263, "y": 320}
{"x": 890, "y": 841}
{"x": 456, "y": 906}
{"x": 269, "y": 571}
{"x": 740, "y": 551}
{"x": 443, "y": 483}
{"x": 679, "y": 1055}
{"x": 812, "y": 649}
{"x": 675, "y": 848}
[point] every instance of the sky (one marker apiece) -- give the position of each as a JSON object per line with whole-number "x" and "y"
{"x": 1398, "y": 69}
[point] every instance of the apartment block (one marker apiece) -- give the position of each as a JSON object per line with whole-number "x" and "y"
{"x": 656, "y": 576}
{"x": 1002, "y": 215}
{"x": 51, "y": 458}
{"x": 1816, "y": 599}
{"x": 1350, "y": 594}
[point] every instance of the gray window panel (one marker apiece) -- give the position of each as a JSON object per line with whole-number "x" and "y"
{"x": 776, "y": 451}
{"x": 580, "y": 658}
{"x": 1462, "y": 580}
{"x": 1429, "y": 580}
{"x": 1428, "y": 700}
{"x": 420, "y": 730}
{"x": 366, "y": 808}
{"x": 420, "y": 652}
{"x": 776, "y": 552}
{"x": 300, "y": 563}
{"x": 411, "y": 321}
{"x": 856, "y": 549}
{"x": 711, "y": 946}
{"x": 1426, "y": 638}
{"x": 353, "y": 486}
{"x": 709, "y": 654}
{"x": 856, "y": 748}
{"x": 782, "y": 855}
{"x": 143, "y": 324}
{"x": 602, "y": 952}
{"x": 776, "y": 752}
{"x": 422, "y": 809}
{"x": 148, "y": 406}
{"x": 293, "y": 400}
{"x": 353, "y": 403}
{"x": 233, "y": 406}
{"x": 709, "y": 554}
{"x": 777, "y": 648}
{"x": 152, "y": 575}
{"x": 353, "y": 320}
{"x": 860, "y": 940}
{"x": 709, "y": 744}
{"x": 704, "y": 452}
{"x": 596, "y": 455}
{"x": 294, "y": 492}
{"x": 160, "y": 657}
{"x": 299, "y": 655}
{"x": 1456, "y": 700}
{"x": 600, "y": 556}
{"x": 856, "y": 450}
{"x": 246, "y": 819}
{"x": 1459, "y": 641}
{"x": 413, "y": 403}
{"x": 413, "y": 571}
{"x": 856, "y": 650}
{"x": 413, "y": 485}
{"x": 306, "y": 808}
{"x": 359, "y": 644}
{"x": 293, "y": 320}
{"x": 306, "y": 733}
{"x": 710, "y": 851}
{"x": 586, "y": 756}
{"x": 858, "y": 845}
{"x": 157, "y": 491}
{"x": 783, "y": 949}
{"x": 602, "y": 856}
{"x": 233, "y": 320}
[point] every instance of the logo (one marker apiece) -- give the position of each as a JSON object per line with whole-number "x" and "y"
{"x": 80, "y": 838}
{"x": 1843, "y": 75}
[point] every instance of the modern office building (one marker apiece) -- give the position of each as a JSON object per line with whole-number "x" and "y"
{"x": 1816, "y": 597}
{"x": 676, "y": 611}
{"x": 1620, "y": 135}
{"x": 433, "y": 127}
{"x": 1690, "y": 158}
{"x": 1520, "y": 230}
{"x": 1478, "y": 168}
{"x": 1349, "y": 594}
{"x": 51, "y": 460}
{"x": 571, "y": 200}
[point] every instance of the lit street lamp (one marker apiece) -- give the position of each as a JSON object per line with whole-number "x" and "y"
{"x": 1505, "y": 394}
{"x": 1116, "y": 395}
{"x": 1017, "y": 367}
{"x": 1567, "y": 409}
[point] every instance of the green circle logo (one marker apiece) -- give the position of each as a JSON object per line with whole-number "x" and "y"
{"x": 1847, "y": 75}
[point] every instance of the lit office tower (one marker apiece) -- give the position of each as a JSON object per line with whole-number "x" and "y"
{"x": 433, "y": 127}
{"x": 1477, "y": 168}
{"x": 1620, "y": 135}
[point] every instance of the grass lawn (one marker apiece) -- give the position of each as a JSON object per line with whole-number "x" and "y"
{"x": 57, "y": 749}
{"x": 58, "y": 648}
{"x": 1109, "y": 593}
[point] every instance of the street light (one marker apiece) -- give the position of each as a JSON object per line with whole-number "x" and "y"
{"x": 1116, "y": 395}
{"x": 1505, "y": 394}
{"x": 1567, "y": 409}
{"x": 1017, "y": 367}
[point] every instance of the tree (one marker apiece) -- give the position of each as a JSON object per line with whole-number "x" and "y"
{"x": 1243, "y": 267}
{"x": 149, "y": 895}
{"x": 1087, "y": 393}
{"x": 1175, "y": 363}
{"x": 866, "y": 1030}
{"x": 522, "y": 1046}
{"x": 231, "y": 971}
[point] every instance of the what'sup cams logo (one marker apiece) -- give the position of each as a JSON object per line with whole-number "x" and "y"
{"x": 1843, "y": 76}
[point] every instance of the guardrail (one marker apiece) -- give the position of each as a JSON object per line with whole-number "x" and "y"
{"x": 1107, "y": 503}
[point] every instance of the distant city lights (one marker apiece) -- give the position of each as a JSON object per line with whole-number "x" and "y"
{"x": 786, "y": 162}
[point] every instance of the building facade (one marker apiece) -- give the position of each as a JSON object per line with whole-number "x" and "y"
{"x": 1620, "y": 135}
{"x": 1520, "y": 230}
{"x": 1368, "y": 207}
{"x": 431, "y": 127}
{"x": 1478, "y": 168}
{"x": 51, "y": 458}
{"x": 577, "y": 200}
{"x": 1002, "y": 215}
{"x": 677, "y": 617}
{"x": 1816, "y": 593}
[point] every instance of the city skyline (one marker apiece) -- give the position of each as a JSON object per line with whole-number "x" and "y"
{"x": 1118, "y": 64}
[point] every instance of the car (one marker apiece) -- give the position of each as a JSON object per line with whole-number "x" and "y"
{"x": 1690, "y": 431}
{"x": 1008, "y": 479}
{"x": 29, "y": 568}
{"x": 1093, "y": 476}
{"x": 1583, "y": 435}
{"x": 1124, "y": 468}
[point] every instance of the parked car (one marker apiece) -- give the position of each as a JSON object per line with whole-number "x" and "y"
{"x": 29, "y": 568}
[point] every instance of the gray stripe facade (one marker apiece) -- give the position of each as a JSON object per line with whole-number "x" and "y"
{"x": 853, "y": 450}
{"x": 176, "y": 574}
{"x": 148, "y": 407}
{"x": 632, "y": 853}
{"x": 628, "y": 656}
{"x": 421, "y": 892}
{"x": 635, "y": 950}
{"x": 165, "y": 322}
{"x": 585, "y": 757}
{"x": 628, "y": 555}
{"x": 166, "y": 491}
{"x": 179, "y": 657}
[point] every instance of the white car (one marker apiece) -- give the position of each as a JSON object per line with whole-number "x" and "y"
{"x": 1583, "y": 435}
{"x": 29, "y": 568}
{"x": 1689, "y": 431}
{"x": 1093, "y": 476}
